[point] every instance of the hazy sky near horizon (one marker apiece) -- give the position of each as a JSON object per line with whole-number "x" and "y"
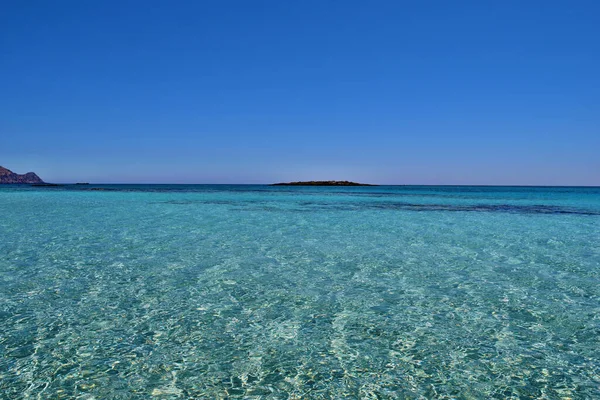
{"x": 398, "y": 92}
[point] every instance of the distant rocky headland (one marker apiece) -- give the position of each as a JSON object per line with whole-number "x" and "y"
{"x": 322, "y": 183}
{"x": 7, "y": 176}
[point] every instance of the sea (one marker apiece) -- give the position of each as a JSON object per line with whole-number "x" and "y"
{"x": 279, "y": 292}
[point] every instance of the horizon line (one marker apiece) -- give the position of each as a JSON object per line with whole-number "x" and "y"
{"x": 373, "y": 184}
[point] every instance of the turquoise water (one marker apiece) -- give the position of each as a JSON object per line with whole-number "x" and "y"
{"x": 290, "y": 293}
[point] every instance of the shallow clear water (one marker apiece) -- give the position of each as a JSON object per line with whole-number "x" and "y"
{"x": 286, "y": 292}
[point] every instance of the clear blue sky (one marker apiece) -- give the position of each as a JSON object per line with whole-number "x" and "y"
{"x": 400, "y": 92}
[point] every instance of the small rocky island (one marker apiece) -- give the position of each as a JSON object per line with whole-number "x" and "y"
{"x": 8, "y": 177}
{"x": 322, "y": 183}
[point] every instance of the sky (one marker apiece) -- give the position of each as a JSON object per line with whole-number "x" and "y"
{"x": 388, "y": 92}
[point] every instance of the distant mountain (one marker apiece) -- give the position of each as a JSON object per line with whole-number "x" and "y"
{"x": 322, "y": 183}
{"x": 7, "y": 176}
